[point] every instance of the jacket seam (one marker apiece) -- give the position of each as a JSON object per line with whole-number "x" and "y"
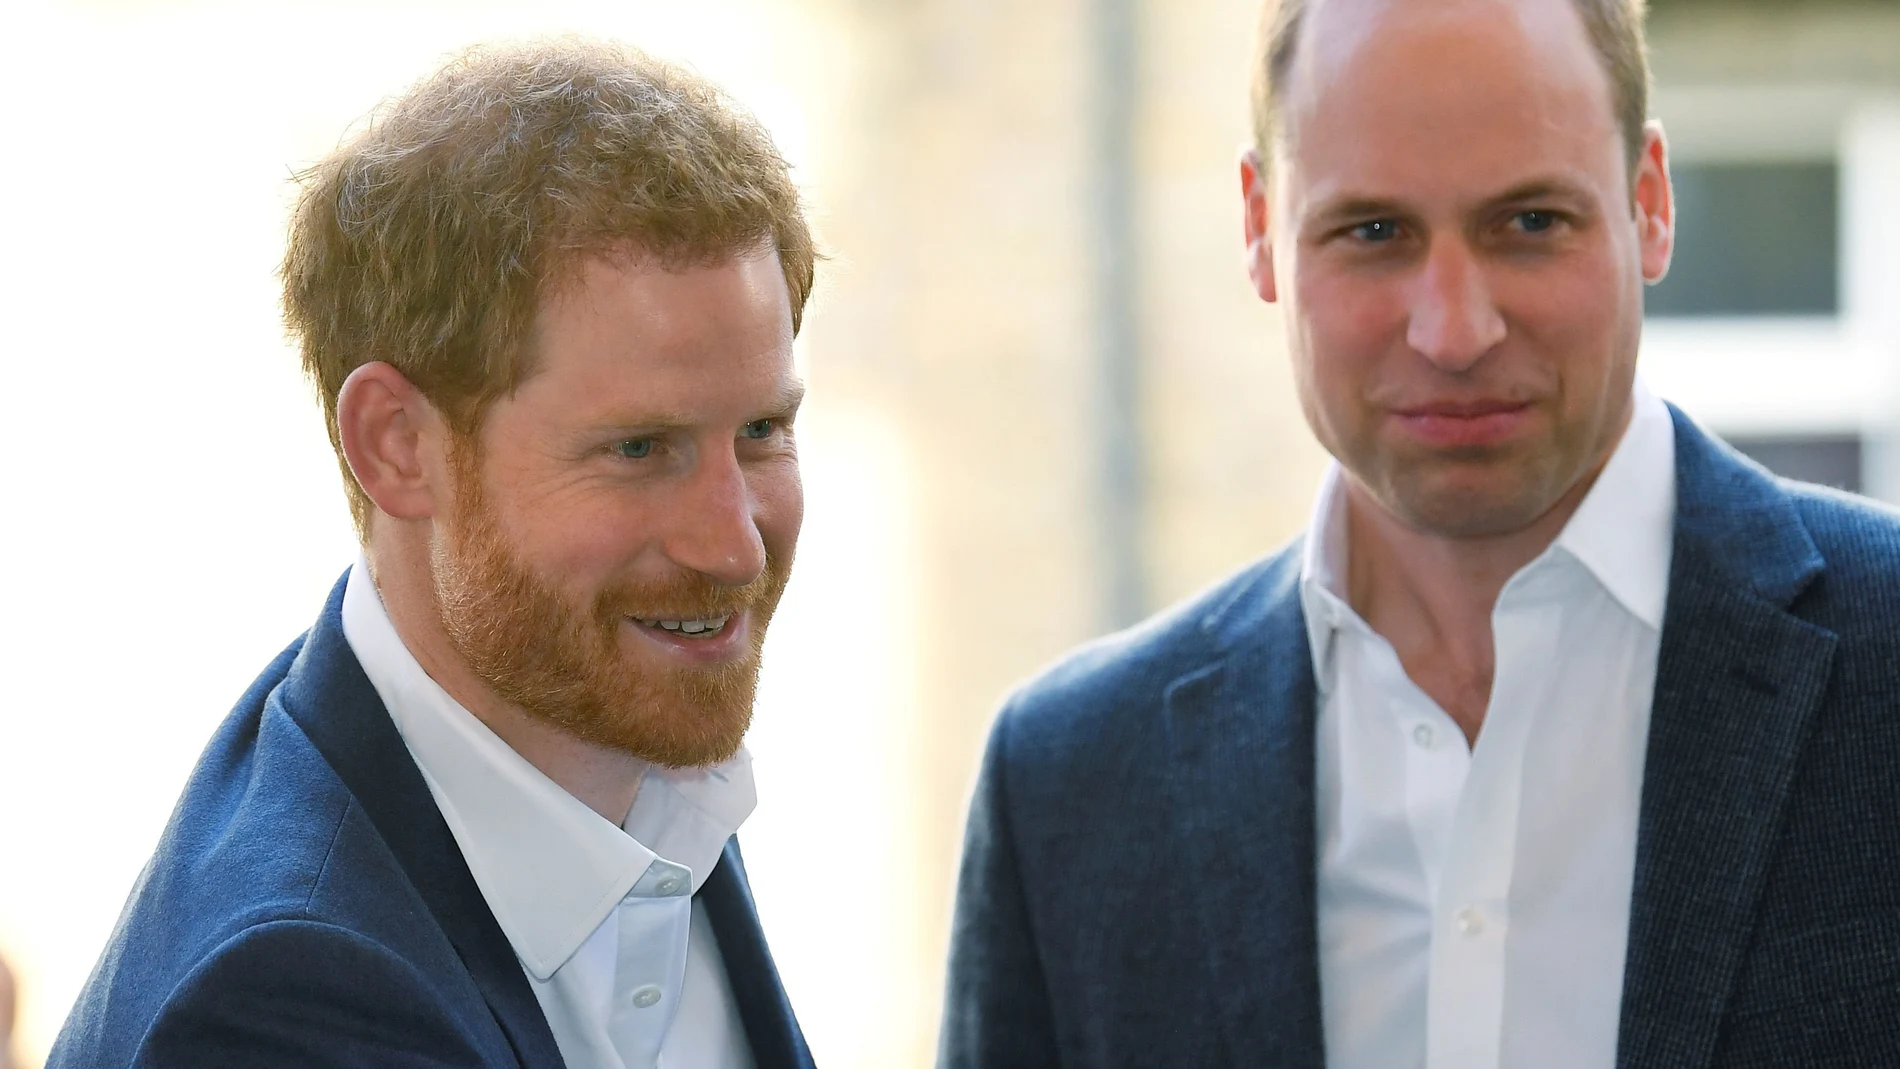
{"x": 1007, "y": 827}
{"x": 329, "y": 852}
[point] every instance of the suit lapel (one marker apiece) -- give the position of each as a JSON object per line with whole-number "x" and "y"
{"x": 1240, "y": 733}
{"x": 1738, "y": 681}
{"x": 770, "y": 1027}
{"x": 328, "y": 695}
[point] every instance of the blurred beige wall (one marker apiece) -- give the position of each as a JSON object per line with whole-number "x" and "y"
{"x": 961, "y": 302}
{"x": 1235, "y": 466}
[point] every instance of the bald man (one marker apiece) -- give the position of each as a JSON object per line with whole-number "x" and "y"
{"x": 1565, "y": 737}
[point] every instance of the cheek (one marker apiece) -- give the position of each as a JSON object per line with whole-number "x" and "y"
{"x": 552, "y": 522}
{"x": 1578, "y": 319}
{"x": 578, "y": 541}
{"x": 779, "y": 494}
{"x": 1344, "y": 329}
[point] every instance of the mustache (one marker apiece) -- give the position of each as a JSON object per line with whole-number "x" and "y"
{"x": 690, "y": 595}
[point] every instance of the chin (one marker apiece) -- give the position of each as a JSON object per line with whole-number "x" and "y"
{"x": 677, "y": 718}
{"x": 670, "y": 736}
{"x": 1472, "y": 504}
{"x": 682, "y": 743}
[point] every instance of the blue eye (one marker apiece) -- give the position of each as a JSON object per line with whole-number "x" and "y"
{"x": 1536, "y": 222}
{"x": 634, "y": 448}
{"x": 758, "y": 428}
{"x": 1377, "y": 231}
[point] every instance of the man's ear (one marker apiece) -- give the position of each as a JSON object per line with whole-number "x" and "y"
{"x": 393, "y": 438}
{"x": 1256, "y": 204}
{"x": 1655, "y": 204}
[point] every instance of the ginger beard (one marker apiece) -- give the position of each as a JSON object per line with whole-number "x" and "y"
{"x": 567, "y": 666}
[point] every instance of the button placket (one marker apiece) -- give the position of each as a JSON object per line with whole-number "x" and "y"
{"x": 655, "y": 921}
{"x": 1467, "y": 966}
{"x": 1435, "y": 775}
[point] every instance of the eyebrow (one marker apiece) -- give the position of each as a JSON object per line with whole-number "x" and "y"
{"x": 1339, "y": 211}
{"x": 784, "y": 402}
{"x": 1539, "y": 189}
{"x": 788, "y": 398}
{"x": 1363, "y": 207}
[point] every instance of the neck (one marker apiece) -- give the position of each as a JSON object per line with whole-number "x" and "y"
{"x": 1431, "y": 596}
{"x": 603, "y": 779}
{"x": 1446, "y": 585}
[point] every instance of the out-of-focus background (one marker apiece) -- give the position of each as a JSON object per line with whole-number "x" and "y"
{"x": 1044, "y": 400}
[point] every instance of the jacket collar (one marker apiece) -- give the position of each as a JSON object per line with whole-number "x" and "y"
{"x": 1739, "y": 679}
{"x": 770, "y": 1027}
{"x": 1240, "y": 743}
{"x": 329, "y": 697}
{"x": 1733, "y": 515}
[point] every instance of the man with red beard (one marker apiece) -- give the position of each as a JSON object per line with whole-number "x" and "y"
{"x": 482, "y": 813}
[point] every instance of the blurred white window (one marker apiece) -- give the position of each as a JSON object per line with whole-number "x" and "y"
{"x": 1779, "y": 324}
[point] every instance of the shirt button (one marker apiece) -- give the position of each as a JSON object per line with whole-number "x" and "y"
{"x": 668, "y": 885}
{"x": 1470, "y": 921}
{"x": 1422, "y": 735}
{"x": 646, "y": 995}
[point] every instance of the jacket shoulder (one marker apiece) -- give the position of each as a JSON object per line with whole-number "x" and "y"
{"x": 1812, "y": 549}
{"x": 1113, "y": 685}
{"x": 1856, "y": 535}
{"x": 267, "y": 875}
{"x": 1856, "y": 594}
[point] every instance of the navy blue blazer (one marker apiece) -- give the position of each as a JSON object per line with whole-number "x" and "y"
{"x": 1137, "y": 886}
{"x": 308, "y": 907}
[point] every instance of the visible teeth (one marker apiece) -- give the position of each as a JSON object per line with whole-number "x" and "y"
{"x": 690, "y": 627}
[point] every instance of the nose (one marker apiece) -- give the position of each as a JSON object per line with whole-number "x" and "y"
{"x": 716, "y": 531}
{"x": 1454, "y": 320}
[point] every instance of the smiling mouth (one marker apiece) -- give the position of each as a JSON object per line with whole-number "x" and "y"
{"x": 705, "y": 628}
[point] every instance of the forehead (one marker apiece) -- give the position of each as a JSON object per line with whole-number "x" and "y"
{"x": 1406, "y": 93}
{"x": 624, "y": 331}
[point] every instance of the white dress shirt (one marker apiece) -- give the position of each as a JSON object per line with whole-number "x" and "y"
{"x": 602, "y": 918}
{"x": 1474, "y": 902}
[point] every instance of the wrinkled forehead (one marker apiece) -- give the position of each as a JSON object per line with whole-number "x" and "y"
{"x": 1366, "y": 68}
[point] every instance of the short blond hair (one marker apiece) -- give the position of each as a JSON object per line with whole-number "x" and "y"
{"x": 430, "y": 239}
{"x": 1615, "y": 28}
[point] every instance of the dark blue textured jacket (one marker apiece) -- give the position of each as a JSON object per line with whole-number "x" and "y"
{"x": 308, "y": 907}
{"x": 1138, "y": 879}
